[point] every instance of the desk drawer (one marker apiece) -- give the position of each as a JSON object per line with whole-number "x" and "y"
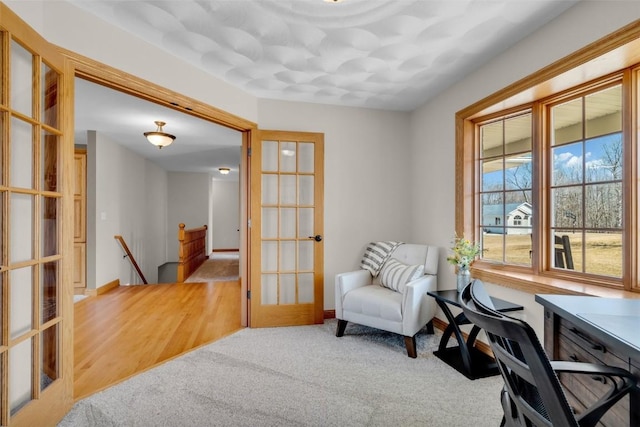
{"x": 598, "y": 351}
{"x": 587, "y": 389}
{"x": 578, "y": 346}
{"x": 575, "y": 403}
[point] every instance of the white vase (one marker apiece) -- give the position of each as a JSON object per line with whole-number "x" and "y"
{"x": 463, "y": 279}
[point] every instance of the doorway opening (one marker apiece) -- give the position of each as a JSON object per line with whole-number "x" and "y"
{"x": 146, "y": 192}
{"x": 95, "y": 73}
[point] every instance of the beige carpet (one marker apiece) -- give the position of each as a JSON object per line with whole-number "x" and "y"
{"x": 299, "y": 376}
{"x": 220, "y": 267}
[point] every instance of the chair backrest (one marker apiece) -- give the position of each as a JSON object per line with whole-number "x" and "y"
{"x": 535, "y": 395}
{"x": 413, "y": 254}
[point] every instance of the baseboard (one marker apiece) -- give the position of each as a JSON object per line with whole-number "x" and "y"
{"x": 169, "y": 263}
{"x": 440, "y": 324}
{"x": 103, "y": 289}
{"x": 437, "y": 323}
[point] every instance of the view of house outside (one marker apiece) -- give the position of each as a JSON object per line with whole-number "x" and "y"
{"x": 585, "y": 184}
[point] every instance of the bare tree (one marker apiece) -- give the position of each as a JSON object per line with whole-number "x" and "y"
{"x": 520, "y": 178}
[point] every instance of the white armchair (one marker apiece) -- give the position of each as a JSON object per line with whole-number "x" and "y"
{"x": 360, "y": 298}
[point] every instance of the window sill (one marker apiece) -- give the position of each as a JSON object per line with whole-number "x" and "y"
{"x": 533, "y": 284}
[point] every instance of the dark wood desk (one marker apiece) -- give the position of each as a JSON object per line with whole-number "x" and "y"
{"x": 465, "y": 357}
{"x": 595, "y": 330}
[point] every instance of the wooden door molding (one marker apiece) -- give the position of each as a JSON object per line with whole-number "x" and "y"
{"x": 111, "y": 77}
{"x": 79, "y": 220}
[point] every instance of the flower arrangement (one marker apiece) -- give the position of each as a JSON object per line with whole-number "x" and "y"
{"x": 464, "y": 253}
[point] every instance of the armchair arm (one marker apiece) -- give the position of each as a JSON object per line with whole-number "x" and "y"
{"x": 620, "y": 380}
{"x": 417, "y": 307}
{"x": 346, "y": 282}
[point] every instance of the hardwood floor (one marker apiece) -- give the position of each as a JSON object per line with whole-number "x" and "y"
{"x": 133, "y": 328}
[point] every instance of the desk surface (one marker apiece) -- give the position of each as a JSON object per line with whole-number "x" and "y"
{"x": 613, "y": 320}
{"x": 453, "y": 297}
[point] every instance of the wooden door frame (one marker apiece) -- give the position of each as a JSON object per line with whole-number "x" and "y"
{"x": 113, "y": 78}
{"x": 55, "y": 400}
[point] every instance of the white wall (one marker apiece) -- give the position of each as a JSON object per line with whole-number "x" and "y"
{"x": 155, "y": 229}
{"x": 129, "y": 200}
{"x": 433, "y": 127}
{"x": 188, "y": 203}
{"x": 225, "y": 215}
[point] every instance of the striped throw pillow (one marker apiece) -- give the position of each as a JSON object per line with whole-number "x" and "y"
{"x": 395, "y": 275}
{"x": 375, "y": 254}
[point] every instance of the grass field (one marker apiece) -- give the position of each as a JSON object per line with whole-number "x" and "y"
{"x": 602, "y": 251}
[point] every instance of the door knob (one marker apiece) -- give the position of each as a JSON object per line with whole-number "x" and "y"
{"x": 317, "y": 237}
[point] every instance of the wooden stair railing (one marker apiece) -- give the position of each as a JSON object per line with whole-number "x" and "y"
{"x": 131, "y": 258}
{"x": 192, "y": 250}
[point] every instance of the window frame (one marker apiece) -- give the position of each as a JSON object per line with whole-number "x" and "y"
{"x": 605, "y": 61}
{"x": 622, "y": 78}
{"x": 504, "y": 191}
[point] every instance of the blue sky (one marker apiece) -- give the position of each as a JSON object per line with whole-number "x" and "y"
{"x": 570, "y": 157}
{"x": 566, "y": 158}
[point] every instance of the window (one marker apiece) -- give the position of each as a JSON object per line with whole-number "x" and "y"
{"x": 505, "y": 189}
{"x": 584, "y": 142}
{"x": 550, "y": 175}
{"x": 586, "y": 179}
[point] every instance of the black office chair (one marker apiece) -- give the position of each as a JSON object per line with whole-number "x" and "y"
{"x": 532, "y": 394}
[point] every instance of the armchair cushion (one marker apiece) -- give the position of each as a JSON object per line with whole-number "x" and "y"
{"x": 395, "y": 274}
{"x": 375, "y": 302}
{"x": 375, "y": 255}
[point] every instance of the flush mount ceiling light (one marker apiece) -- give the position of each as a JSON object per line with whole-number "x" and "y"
{"x": 158, "y": 137}
{"x": 224, "y": 171}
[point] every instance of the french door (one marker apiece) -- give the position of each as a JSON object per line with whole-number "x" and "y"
{"x": 36, "y": 303}
{"x": 287, "y": 248}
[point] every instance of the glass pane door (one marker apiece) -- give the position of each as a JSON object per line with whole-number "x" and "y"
{"x": 288, "y": 288}
{"x": 31, "y": 254}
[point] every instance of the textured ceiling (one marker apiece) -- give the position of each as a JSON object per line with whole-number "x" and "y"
{"x": 392, "y": 55}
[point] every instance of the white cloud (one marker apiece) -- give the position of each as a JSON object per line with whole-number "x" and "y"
{"x": 573, "y": 161}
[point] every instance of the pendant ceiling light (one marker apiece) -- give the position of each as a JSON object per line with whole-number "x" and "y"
{"x": 158, "y": 137}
